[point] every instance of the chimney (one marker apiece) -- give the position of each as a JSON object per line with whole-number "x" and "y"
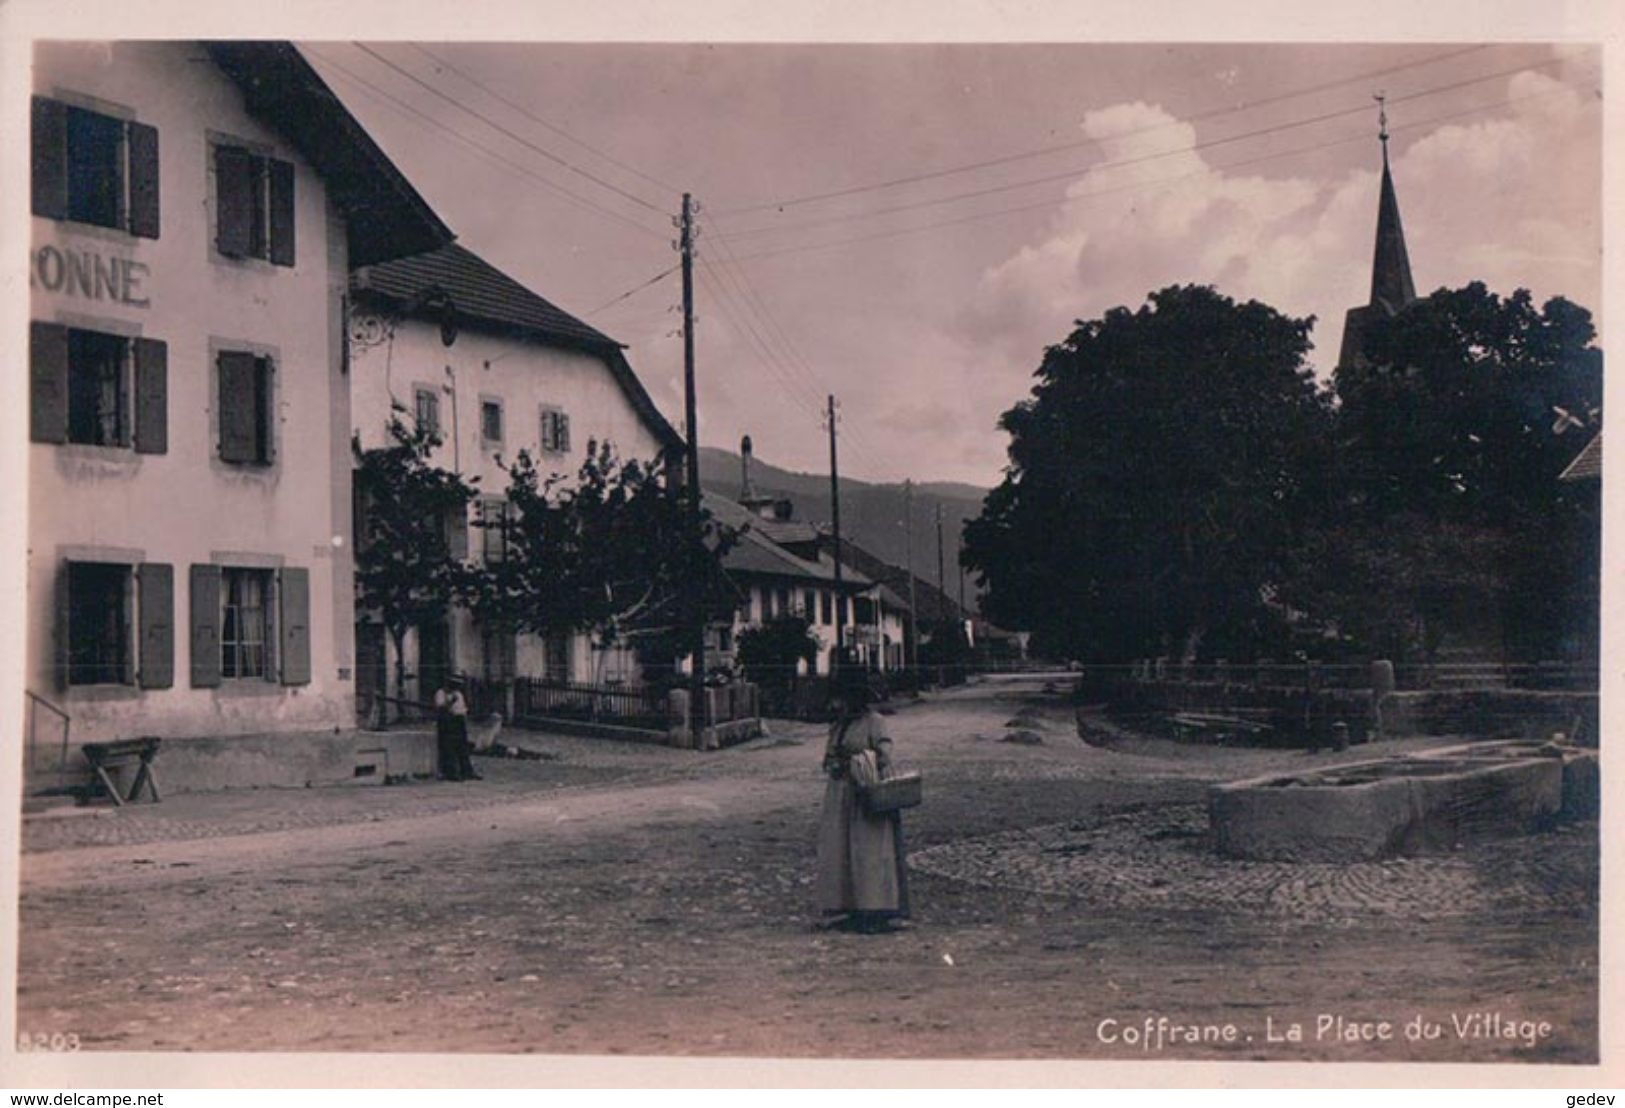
{"x": 747, "y": 491}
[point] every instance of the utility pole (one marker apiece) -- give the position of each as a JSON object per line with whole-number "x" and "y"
{"x": 835, "y": 510}
{"x": 942, "y": 586}
{"x": 913, "y": 608}
{"x": 696, "y": 683}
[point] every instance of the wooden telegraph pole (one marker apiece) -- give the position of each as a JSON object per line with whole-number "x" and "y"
{"x": 835, "y": 511}
{"x": 913, "y": 607}
{"x": 696, "y": 683}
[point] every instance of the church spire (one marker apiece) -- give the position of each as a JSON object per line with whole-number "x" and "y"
{"x": 1391, "y": 284}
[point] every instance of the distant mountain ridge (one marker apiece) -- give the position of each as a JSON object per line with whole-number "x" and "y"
{"x": 872, "y": 514}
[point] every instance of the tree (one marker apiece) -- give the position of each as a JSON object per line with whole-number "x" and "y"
{"x": 612, "y": 551}
{"x": 1452, "y": 432}
{"x": 1160, "y": 473}
{"x": 769, "y": 654}
{"x": 407, "y": 568}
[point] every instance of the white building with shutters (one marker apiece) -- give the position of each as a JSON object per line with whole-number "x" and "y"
{"x": 518, "y": 374}
{"x": 197, "y": 209}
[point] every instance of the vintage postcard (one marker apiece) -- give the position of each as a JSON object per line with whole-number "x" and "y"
{"x": 984, "y": 551}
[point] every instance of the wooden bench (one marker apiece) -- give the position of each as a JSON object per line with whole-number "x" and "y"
{"x": 103, "y": 756}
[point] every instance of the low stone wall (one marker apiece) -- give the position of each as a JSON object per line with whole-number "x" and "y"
{"x": 293, "y": 760}
{"x": 1492, "y": 713}
{"x": 1379, "y": 809}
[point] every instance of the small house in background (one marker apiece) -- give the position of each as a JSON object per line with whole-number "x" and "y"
{"x": 447, "y": 340}
{"x": 197, "y": 208}
{"x": 784, "y": 566}
{"x": 1587, "y": 464}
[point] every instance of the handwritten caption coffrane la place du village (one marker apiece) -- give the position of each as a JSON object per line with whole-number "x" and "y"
{"x": 1156, "y": 1033}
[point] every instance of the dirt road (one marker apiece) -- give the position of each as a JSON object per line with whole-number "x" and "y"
{"x": 639, "y": 900}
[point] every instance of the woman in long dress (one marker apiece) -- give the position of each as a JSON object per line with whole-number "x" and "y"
{"x": 862, "y": 882}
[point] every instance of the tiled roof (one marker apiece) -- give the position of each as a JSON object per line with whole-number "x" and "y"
{"x": 480, "y": 292}
{"x": 755, "y": 553}
{"x": 1587, "y": 463}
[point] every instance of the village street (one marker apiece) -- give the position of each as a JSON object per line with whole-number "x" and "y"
{"x": 615, "y": 898}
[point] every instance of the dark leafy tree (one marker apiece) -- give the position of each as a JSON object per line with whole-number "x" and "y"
{"x": 1160, "y": 474}
{"x": 407, "y": 569}
{"x": 1451, "y": 518}
{"x": 770, "y": 653}
{"x": 612, "y": 551}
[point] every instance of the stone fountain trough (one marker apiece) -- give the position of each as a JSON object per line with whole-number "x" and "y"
{"x": 1379, "y": 809}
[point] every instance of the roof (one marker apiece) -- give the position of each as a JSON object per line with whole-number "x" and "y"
{"x": 384, "y": 216}
{"x": 483, "y": 296}
{"x": 757, "y": 554}
{"x": 782, "y": 531}
{"x": 1587, "y": 464}
{"x": 1391, "y": 284}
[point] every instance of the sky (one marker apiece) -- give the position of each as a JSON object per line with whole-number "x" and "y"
{"x": 907, "y": 227}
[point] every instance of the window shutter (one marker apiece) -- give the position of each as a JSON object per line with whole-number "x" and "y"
{"x": 547, "y": 429}
{"x": 281, "y": 211}
{"x": 563, "y": 433}
{"x": 48, "y": 382}
{"x": 151, "y": 396}
{"x": 63, "y": 643}
{"x": 205, "y": 614}
{"x": 155, "y": 583}
{"x": 143, "y": 140}
{"x": 239, "y": 408}
{"x": 294, "y": 624}
{"x": 457, "y": 533}
{"x": 50, "y": 161}
{"x": 510, "y": 656}
{"x": 234, "y": 180}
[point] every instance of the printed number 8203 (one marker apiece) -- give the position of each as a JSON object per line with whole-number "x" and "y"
{"x": 40, "y": 1040}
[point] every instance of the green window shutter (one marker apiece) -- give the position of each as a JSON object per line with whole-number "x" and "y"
{"x": 50, "y": 161}
{"x": 235, "y": 179}
{"x": 281, "y": 174}
{"x": 293, "y": 623}
{"x": 143, "y": 142}
{"x": 205, "y": 616}
{"x": 239, "y": 407}
{"x": 47, "y": 382}
{"x": 155, "y": 583}
{"x": 151, "y": 396}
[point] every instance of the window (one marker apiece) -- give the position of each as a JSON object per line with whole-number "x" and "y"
{"x": 426, "y": 407}
{"x": 97, "y": 389}
{"x": 824, "y": 613}
{"x": 784, "y": 602}
{"x": 98, "y": 393}
{"x": 491, "y": 421}
{"x": 499, "y": 649}
{"x": 89, "y": 167}
{"x": 253, "y": 205}
{"x": 808, "y": 608}
{"x": 555, "y": 431}
{"x": 99, "y": 648}
{"x": 494, "y": 530}
{"x": 245, "y": 622}
{"x": 556, "y": 657}
{"x": 245, "y": 407}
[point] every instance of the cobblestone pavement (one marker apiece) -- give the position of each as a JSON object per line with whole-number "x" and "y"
{"x": 1161, "y": 858}
{"x": 660, "y": 903}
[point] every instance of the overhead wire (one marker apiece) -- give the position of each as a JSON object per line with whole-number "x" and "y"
{"x": 1134, "y": 186}
{"x": 533, "y": 117}
{"x": 377, "y": 92}
{"x": 500, "y": 128}
{"x": 1043, "y": 151}
{"x": 635, "y": 289}
{"x": 1078, "y": 171}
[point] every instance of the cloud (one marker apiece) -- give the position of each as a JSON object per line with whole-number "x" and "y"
{"x": 1512, "y": 200}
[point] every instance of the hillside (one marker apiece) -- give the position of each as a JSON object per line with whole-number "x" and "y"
{"x": 872, "y": 515}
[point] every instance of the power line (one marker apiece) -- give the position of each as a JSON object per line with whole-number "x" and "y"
{"x": 1077, "y": 144}
{"x": 667, "y": 272}
{"x": 494, "y": 125}
{"x": 522, "y": 110}
{"x": 1071, "y": 174}
{"x": 1068, "y": 201}
{"x": 400, "y": 105}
